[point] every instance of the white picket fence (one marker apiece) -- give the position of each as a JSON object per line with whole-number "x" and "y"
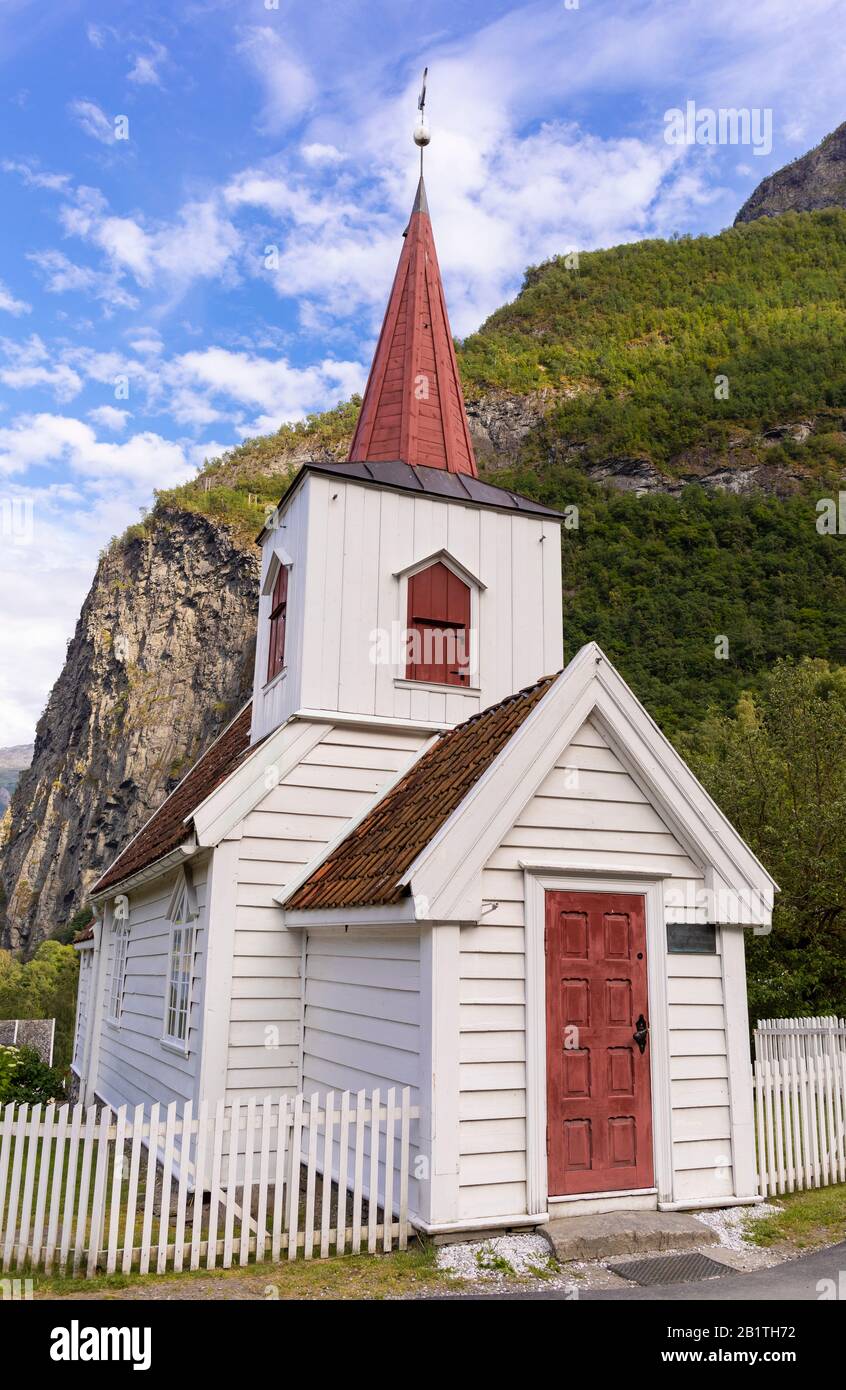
{"x": 800, "y": 1103}
{"x": 96, "y": 1188}
{"x": 776, "y": 1038}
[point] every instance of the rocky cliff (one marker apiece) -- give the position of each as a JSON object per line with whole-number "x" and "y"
{"x": 817, "y": 180}
{"x": 161, "y": 658}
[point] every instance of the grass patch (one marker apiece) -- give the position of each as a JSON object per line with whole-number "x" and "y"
{"x": 807, "y": 1219}
{"x": 402, "y": 1274}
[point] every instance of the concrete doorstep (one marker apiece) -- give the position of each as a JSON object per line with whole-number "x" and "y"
{"x": 625, "y": 1233}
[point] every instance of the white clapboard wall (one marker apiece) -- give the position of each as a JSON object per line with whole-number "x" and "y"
{"x": 158, "y": 1188}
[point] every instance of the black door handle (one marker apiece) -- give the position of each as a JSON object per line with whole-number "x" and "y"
{"x": 640, "y": 1034}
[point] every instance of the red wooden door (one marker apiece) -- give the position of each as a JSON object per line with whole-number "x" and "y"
{"x": 599, "y": 1108}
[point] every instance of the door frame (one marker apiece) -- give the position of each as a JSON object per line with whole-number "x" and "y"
{"x": 540, "y": 879}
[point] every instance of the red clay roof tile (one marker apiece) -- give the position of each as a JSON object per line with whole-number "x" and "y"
{"x": 367, "y": 866}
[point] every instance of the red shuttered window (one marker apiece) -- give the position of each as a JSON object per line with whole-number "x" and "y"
{"x": 278, "y": 618}
{"x": 438, "y": 627}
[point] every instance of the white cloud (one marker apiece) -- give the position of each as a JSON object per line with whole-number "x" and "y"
{"x": 145, "y": 458}
{"x": 93, "y": 121}
{"x": 29, "y": 364}
{"x": 46, "y": 572}
{"x": 61, "y": 276}
{"x": 36, "y": 178}
{"x": 287, "y": 84}
{"x": 277, "y": 389}
{"x": 145, "y": 69}
{"x": 109, "y": 417}
{"x": 321, "y": 154}
{"x": 10, "y": 305}
{"x": 201, "y": 242}
{"x": 146, "y": 342}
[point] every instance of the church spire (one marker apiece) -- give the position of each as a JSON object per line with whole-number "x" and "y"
{"x": 413, "y": 408}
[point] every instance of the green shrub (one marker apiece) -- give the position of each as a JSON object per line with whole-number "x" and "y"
{"x": 9, "y": 1062}
{"x": 29, "y": 1080}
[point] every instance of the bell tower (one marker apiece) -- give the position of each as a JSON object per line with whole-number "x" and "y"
{"x": 399, "y": 586}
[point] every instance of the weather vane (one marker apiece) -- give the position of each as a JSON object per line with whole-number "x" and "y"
{"x": 421, "y": 130}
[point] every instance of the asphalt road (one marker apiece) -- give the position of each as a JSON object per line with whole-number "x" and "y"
{"x": 794, "y": 1281}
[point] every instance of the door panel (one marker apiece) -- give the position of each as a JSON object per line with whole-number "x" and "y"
{"x": 599, "y": 1107}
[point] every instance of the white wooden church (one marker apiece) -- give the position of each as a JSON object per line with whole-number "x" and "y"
{"x": 426, "y": 855}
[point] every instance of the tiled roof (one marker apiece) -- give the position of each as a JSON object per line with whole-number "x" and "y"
{"x": 166, "y": 828}
{"x": 367, "y": 866}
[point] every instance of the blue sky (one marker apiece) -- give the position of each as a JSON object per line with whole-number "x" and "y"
{"x": 144, "y": 322}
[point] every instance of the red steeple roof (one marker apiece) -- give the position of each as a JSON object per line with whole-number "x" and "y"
{"x": 413, "y": 407}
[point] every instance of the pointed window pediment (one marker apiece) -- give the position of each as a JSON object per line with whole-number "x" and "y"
{"x": 446, "y": 558}
{"x": 182, "y": 907}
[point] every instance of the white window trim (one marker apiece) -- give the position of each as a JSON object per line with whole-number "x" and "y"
{"x": 538, "y": 880}
{"x": 182, "y": 912}
{"x": 117, "y": 982}
{"x": 278, "y": 558}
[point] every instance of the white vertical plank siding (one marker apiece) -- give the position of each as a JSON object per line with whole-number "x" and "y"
{"x": 349, "y": 544}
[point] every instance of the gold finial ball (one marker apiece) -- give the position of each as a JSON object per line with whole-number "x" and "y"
{"x": 421, "y": 134}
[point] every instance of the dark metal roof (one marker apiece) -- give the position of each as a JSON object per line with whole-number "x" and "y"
{"x": 434, "y": 482}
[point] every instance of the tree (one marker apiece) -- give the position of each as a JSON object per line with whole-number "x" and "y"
{"x": 43, "y": 987}
{"x": 777, "y": 769}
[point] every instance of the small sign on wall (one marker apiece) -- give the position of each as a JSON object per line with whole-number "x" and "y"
{"x": 691, "y": 939}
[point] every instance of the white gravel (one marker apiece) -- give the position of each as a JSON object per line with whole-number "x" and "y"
{"x": 729, "y": 1222}
{"x": 496, "y": 1259}
{"x": 528, "y": 1256}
